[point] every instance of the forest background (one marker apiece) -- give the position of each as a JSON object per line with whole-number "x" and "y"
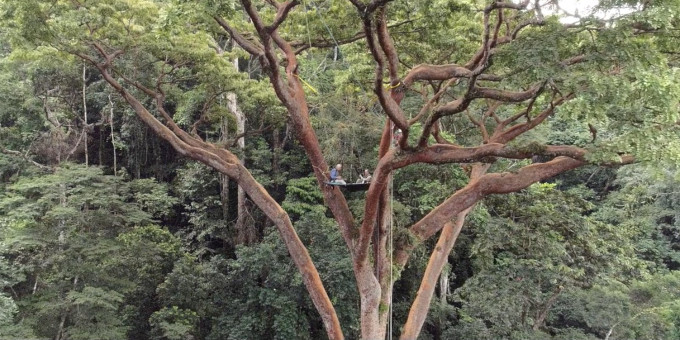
{"x": 111, "y": 229}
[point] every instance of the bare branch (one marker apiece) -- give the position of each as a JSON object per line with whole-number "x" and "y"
{"x": 436, "y": 72}
{"x": 432, "y": 101}
{"x": 75, "y": 147}
{"x": 149, "y": 92}
{"x": 250, "y": 46}
{"x": 444, "y": 153}
{"x": 438, "y": 137}
{"x": 303, "y": 46}
{"x": 481, "y": 123}
{"x": 361, "y": 7}
{"x": 521, "y": 26}
{"x": 279, "y": 87}
{"x": 254, "y": 16}
{"x": 574, "y": 60}
{"x": 390, "y": 106}
{"x": 504, "y": 136}
{"x": 505, "y": 96}
{"x": 509, "y": 5}
{"x": 387, "y": 45}
{"x": 282, "y": 14}
{"x": 274, "y": 3}
{"x": 86, "y": 57}
{"x": 107, "y": 56}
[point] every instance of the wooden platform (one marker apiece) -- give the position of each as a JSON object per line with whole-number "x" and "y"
{"x": 352, "y": 187}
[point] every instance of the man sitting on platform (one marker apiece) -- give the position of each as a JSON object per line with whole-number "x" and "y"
{"x": 336, "y": 178}
{"x": 364, "y": 177}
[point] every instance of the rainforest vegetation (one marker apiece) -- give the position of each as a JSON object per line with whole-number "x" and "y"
{"x": 165, "y": 168}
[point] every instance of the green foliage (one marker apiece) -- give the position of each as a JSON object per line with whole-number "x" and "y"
{"x": 9, "y": 328}
{"x": 73, "y": 254}
{"x": 173, "y": 323}
{"x": 152, "y": 197}
{"x": 645, "y": 208}
{"x": 80, "y": 249}
{"x": 646, "y": 309}
{"x": 303, "y": 196}
{"x": 538, "y": 243}
{"x": 94, "y": 314}
{"x": 422, "y": 187}
{"x": 198, "y": 189}
{"x": 7, "y": 311}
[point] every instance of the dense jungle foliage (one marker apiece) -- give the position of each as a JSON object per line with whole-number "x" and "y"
{"x": 106, "y": 232}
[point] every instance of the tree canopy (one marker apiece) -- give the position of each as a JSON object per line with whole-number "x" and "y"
{"x": 511, "y": 117}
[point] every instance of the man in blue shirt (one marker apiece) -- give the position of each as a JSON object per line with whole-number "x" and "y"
{"x": 336, "y": 178}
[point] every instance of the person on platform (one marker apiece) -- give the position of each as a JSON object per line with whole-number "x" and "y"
{"x": 336, "y": 177}
{"x": 365, "y": 177}
{"x": 396, "y": 137}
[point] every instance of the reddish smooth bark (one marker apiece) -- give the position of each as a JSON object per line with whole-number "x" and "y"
{"x": 421, "y": 304}
{"x": 439, "y": 257}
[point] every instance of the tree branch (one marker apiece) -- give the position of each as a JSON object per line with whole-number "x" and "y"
{"x": 291, "y": 95}
{"x": 504, "y": 136}
{"x": 431, "y": 102}
{"x": 439, "y": 257}
{"x": 390, "y": 106}
{"x": 251, "y": 47}
{"x": 303, "y": 46}
{"x": 496, "y": 183}
{"x": 282, "y": 14}
{"x": 24, "y": 157}
{"x": 436, "y": 72}
{"x": 387, "y": 45}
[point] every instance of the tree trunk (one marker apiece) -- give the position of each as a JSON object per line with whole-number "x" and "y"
{"x": 382, "y": 264}
{"x": 62, "y": 322}
{"x": 35, "y": 285}
{"x": 224, "y": 180}
{"x": 113, "y": 141}
{"x": 438, "y": 259}
{"x": 543, "y": 312}
{"x": 444, "y": 285}
{"x": 244, "y": 234}
{"x": 101, "y": 144}
{"x": 85, "y": 126}
{"x": 369, "y": 292}
{"x": 60, "y": 330}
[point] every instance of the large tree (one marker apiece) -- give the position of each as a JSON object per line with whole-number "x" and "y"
{"x": 503, "y": 68}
